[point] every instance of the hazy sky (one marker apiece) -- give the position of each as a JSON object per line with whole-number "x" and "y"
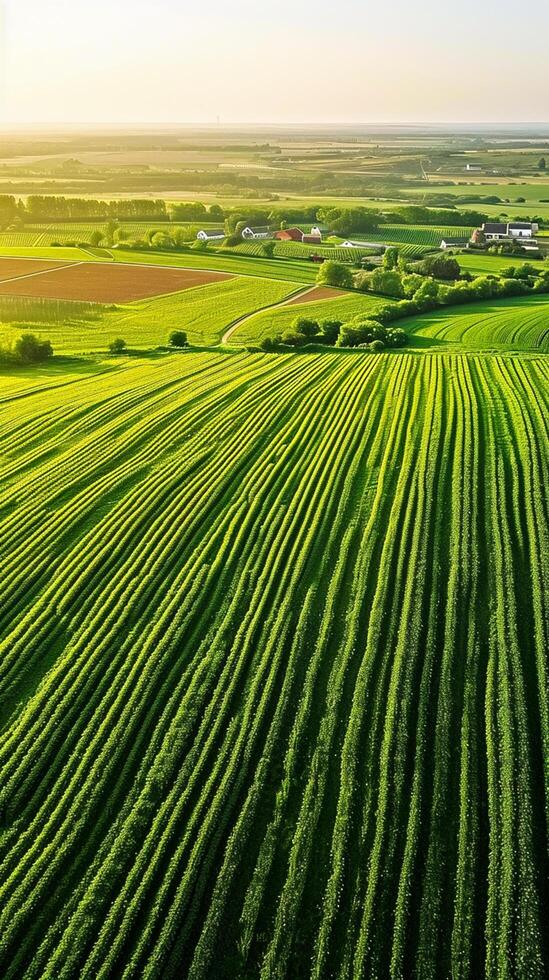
{"x": 111, "y": 61}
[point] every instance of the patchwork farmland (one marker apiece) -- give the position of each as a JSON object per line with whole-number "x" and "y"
{"x": 273, "y": 618}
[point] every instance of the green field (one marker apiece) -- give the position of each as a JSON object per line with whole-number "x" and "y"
{"x": 430, "y": 235}
{"x": 267, "y": 323}
{"x": 517, "y": 324}
{"x": 203, "y": 312}
{"x": 273, "y": 675}
{"x": 482, "y": 263}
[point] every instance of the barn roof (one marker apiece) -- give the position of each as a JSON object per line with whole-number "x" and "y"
{"x": 494, "y": 228}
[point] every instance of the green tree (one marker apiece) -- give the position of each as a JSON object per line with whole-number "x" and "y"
{"x": 178, "y": 338}
{"x": 110, "y": 228}
{"x": 386, "y": 281}
{"x": 31, "y": 350}
{"x": 268, "y": 248}
{"x": 441, "y": 267}
{"x": 390, "y": 258}
{"x": 96, "y": 237}
{"x": 216, "y": 212}
{"x": 304, "y": 326}
{"x": 118, "y": 346}
{"x": 328, "y": 331}
{"x": 335, "y": 274}
{"x": 542, "y": 163}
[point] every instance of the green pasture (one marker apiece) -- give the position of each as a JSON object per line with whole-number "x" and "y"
{"x": 520, "y": 324}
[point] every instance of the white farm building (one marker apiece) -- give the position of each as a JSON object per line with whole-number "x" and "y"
{"x": 249, "y": 234}
{"x": 210, "y": 235}
{"x": 499, "y": 231}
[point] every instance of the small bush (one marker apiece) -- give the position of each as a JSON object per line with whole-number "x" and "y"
{"x": 118, "y": 346}
{"x": 178, "y": 338}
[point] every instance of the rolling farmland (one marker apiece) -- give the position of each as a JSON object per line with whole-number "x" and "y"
{"x": 273, "y": 677}
{"x": 203, "y": 311}
{"x": 517, "y": 324}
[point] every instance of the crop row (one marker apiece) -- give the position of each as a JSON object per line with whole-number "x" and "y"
{"x": 273, "y": 668}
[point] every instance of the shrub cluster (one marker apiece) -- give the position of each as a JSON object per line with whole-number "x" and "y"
{"x": 356, "y": 332}
{"x": 417, "y": 293}
{"x": 28, "y": 349}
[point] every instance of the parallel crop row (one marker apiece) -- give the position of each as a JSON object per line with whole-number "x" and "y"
{"x": 273, "y": 678}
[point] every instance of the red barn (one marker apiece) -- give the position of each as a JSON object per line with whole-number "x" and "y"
{"x": 289, "y": 235}
{"x": 312, "y": 239}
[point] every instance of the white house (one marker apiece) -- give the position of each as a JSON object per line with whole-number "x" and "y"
{"x": 262, "y": 231}
{"x": 348, "y": 244}
{"x": 522, "y": 229}
{"x": 474, "y": 166}
{"x": 498, "y": 231}
{"x": 209, "y": 235}
{"x": 316, "y": 232}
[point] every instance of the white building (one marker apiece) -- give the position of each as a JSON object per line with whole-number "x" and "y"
{"x": 262, "y": 231}
{"x": 498, "y": 231}
{"x": 522, "y": 229}
{"x": 209, "y": 235}
{"x": 476, "y": 167}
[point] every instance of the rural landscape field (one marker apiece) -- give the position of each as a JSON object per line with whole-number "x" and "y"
{"x": 274, "y": 536}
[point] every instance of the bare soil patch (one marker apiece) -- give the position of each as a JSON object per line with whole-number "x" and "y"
{"x": 102, "y": 283}
{"x": 12, "y": 268}
{"x": 313, "y": 295}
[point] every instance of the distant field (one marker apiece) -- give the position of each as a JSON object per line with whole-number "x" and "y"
{"x": 45, "y": 234}
{"x": 517, "y": 324}
{"x": 296, "y": 250}
{"x": 16, "y": 268}
{"x": 487, "y": 186}
{"x": 222, "y": 261}
{"x": 418, "y": 234}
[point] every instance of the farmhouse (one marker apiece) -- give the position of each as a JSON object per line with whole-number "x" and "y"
{"x": 262, "y": 231}
{"x": 316, "y": 232}
{"x": 498, "y": 231}
{"x": 209, "y": 235}
{"x": 289, "y": 235}
{"x": 474, "y": 166}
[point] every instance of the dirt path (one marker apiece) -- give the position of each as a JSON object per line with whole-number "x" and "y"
{"x": 297, "y": 294}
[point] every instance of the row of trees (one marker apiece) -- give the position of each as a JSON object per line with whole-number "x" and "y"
{"x": 341, "y": 220}
{"x": 436, "y": 281}
{"x": 46, "y": 207}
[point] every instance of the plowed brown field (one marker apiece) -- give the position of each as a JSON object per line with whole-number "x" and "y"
{"x": 13, "y": 268}
{"x": 102, "y": 283}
